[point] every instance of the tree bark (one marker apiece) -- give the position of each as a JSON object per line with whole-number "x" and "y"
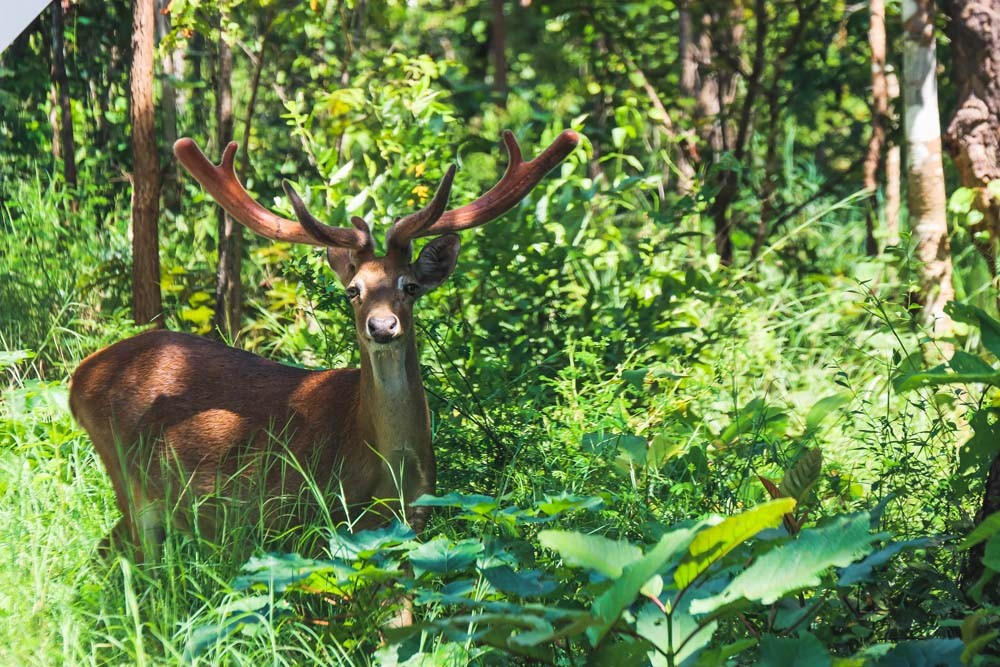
{"x": 973, "y": 135}
{"x": 892, "y": 172}
{"x": 228, "y": 288}
{"x": 925, "y": 193}
{"x": 146, "y": 304}
{"x": 168, "y": 100}
{"x": 973, "y": 141}
{"x": 498, "y": 50}
{"x": 67, "y": 146}
{"x": 880, "y": 117}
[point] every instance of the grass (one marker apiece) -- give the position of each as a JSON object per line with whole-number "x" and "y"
{"x": 786, "y": 339}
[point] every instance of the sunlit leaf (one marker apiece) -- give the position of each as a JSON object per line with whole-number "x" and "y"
{"x": 713, "y": 543}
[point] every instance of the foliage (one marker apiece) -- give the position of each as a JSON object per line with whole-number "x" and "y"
{"x": 645, "y": 455}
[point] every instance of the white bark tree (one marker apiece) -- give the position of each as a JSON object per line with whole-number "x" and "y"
{"x": 925, "y": 195}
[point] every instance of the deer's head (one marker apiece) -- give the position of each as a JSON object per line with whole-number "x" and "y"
{"x": 382, "y": 290}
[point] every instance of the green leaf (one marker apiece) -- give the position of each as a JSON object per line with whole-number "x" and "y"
{"x": 823, "y": 407}
{"x": 718, "y": 657}
{"x": 939, "y": 376}
{"x": 989, "y": 527}
{"x": 963, "y": 362}
{"x": 609, "y": 557}
{"x": 862, "y": 571}
{"x": 365, "y": 543}
{"x": 713, "y": 543}
{"x": 441, "y": 556}
{"x": 281, "y": 571}
{"x": 988, "y": 327}
{"x": 792, "y": 651}
{"x": 554, "y": 505}
{"x": 651, "y": 624}
{"x": 923, "y": 653}
{"x": 610, "y": 604}
{"x": 632, "y": 447}
{"x": 797, "y": 564}
{"x": 11, "y": 357}
{"x": 475, "y": 503}
{"x": 801, "y": 477}
{"x": 977, "y": 452}
{"x": 524, "y": 583}
{"x": 991, "y": 555}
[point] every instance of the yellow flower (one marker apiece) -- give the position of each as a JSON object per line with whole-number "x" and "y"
{"x": 422, "y": 192}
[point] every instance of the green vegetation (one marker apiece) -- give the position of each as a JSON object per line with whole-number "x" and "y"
{"x": 645, "y": 454}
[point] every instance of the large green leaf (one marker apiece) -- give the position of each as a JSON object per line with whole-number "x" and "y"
{"x": 792, "y": 651}
{"x": 442, "y": 556}
{"x": 476, "y": 503}
{"x": 281, "y": 570}
{"x": 797, "y": 564}
{"x": 923, "y": 653}
{"x": 609, "y": 557}
{"x": 610, "y": 604}
{"x": 863, "y": 570}
{"x": 988, "y": 327}
{"x": 978, "y": 451}
{"x": 823, "y": 407}
{"x": 989, "y": 527}
{"x": 366, "y": 543}
{"x": 524, "y": 583}
{"x": 713, "y": 543}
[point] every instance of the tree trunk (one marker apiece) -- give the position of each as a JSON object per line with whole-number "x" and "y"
{"x": 498, "y": 50}
{"x": 168, "y": 100}
{"x": 892, "y": 171}
{"x": 67, "y": 146}
{"x": 892, "y": 194}
{"x": 973, "y": 141}
{"x": 228, "y": 289}
{"x": 880, "y": 117}
{"x": 973, "y": 135}
{"x": 146, "y": 305}
{"x": 925, "y": 194}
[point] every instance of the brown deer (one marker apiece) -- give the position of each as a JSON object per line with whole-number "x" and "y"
{"x": 177, "y": 417}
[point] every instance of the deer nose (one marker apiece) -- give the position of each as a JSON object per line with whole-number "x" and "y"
{"x": 383, "y": 329}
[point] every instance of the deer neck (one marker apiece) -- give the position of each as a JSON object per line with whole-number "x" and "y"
{"x": 393, "y": 401}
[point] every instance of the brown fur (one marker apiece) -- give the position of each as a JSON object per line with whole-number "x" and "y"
{"x": 176, "y": 419}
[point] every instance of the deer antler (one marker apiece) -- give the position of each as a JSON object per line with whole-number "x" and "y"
{"x": 517, "y": 182}
{"x": 221, "y": 182}
{"x": 406, "y": 229}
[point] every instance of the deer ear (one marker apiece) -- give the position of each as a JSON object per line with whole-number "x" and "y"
{"x": 436, "y": 261}
{"x": 343, "y": 262}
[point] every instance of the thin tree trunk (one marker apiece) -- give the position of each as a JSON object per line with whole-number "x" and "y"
{"x": 893, "y": 197}
{"x": 973, "y": 141}
{"x": 67, "y": 145}
{"x": 925, "y": 193}
{"x": 880, "y": 116}
{"x": 168, "y": 100}
{"x": 146, "y": 304}
{"x": 719, "y": 209}
{"x": 892, "y": 171}
{"x": 258, "y": 69}
{"x": 498, "y": 50}
{"x": 228, "y": 289}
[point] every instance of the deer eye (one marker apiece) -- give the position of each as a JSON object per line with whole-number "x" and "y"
{"x": 411, "y": 288}
{"x": 353, "y": 292}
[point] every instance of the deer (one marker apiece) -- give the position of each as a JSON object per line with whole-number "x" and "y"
{"x": 176, "y": 418}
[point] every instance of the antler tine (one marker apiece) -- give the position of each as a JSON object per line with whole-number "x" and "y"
{"x": 406, "y": 229}
{"x": 360, "y": 238}
{"x": 518, "y": 180}
{"x": 221, "y": 182}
